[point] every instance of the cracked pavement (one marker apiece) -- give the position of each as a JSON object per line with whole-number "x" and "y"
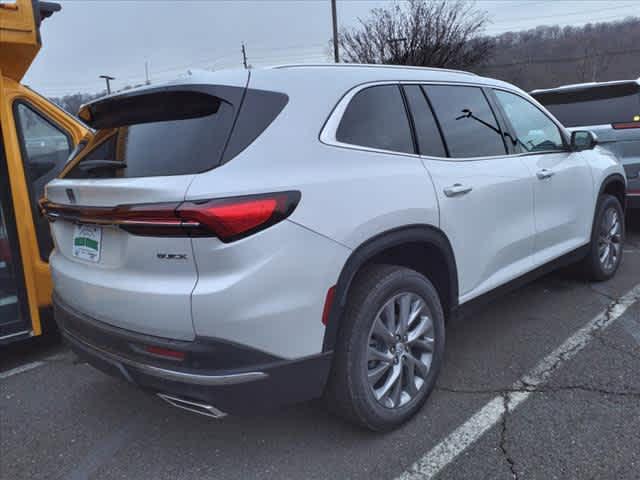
{"x": 64, "y": 420}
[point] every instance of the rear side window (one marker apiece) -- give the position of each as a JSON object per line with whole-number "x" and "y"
{"x": 596, "y": 106}
{"x": 468, "y": 124}
{"x": 173, "y": 133}
{"x": 376, "y": 118}
{"x": 427, "y": 131}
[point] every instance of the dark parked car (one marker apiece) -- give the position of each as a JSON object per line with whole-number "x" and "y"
{"x": 612, "y": 111}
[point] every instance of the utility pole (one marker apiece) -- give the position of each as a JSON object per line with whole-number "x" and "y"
{"x": 244, "y": 56}
{"x": 108, "y": 79}
{"x": 334, "y": 17}
{"x": 146, "y": 72}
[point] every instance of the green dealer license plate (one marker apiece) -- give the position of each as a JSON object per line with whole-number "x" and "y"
{"x": 87, "y": 240}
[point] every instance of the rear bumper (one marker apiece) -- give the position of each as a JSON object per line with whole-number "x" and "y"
{"x": 229, "y": 377}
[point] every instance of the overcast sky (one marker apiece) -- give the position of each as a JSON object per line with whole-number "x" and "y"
{"x": 93, "y": 37}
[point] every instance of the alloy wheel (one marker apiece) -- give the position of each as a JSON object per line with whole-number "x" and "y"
{"x": 610, "y": 239}
{"x": 400, "y": 350}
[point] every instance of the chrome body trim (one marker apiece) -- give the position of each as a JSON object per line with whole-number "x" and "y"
{"x": 191, "y": 406}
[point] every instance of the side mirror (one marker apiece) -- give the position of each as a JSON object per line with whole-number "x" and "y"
{"x": 583, "y": 140}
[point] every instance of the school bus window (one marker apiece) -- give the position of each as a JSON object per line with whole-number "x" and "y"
{"x": 46, "y": 149}
{"x": 9, "y": 305}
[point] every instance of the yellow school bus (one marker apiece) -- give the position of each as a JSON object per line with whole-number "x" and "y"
{"x": 36, "y": 138}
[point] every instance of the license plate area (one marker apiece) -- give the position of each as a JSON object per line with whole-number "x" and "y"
{"x": 87, "y": 242}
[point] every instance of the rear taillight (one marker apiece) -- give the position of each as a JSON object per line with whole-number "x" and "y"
{"x": 625, "y": 125}
{"x": 233, "y": 218}
{"x": 228, "y": 219}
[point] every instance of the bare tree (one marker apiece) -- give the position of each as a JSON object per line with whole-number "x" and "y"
{"x": 436, "y": 33}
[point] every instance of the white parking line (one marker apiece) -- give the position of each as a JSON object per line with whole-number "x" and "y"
{"x": 491, "y": 414}
{"x": 22, "y": 368}
{"x": 30, "y": 366}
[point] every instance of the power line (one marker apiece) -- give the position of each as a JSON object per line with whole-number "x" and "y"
{"x": 586, "y": 12}
{"x": 563, "y": 60}
{"x": 498, "y": 31}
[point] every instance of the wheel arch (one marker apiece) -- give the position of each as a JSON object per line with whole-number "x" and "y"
{"x": 615, "y": 185}
{"x": 421, "y": 247}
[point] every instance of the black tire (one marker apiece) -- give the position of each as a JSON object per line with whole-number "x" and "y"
{"x": 348, "y": 392}
{"x": 593, "y": 268}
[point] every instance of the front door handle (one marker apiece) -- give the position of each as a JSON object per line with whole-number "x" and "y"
{"x": 544, "y": 174}
{"x": 457, "y": 189}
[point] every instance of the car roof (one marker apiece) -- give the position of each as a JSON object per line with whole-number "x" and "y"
{"x": 367, "y": 65}
{"x": 345, "y": 76}
{"x": 317, "y": 76}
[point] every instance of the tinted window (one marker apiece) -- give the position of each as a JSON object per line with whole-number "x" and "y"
{"x": 376, "y": 118}
{"x": 597, "y": 106}
{"x": 535, "y": 132}
{"x": 174, "y": 132}
{"x": 46, "y": 148}
{"x": 468, "y": 123}
{"x": 174, "y": 147}
{"x": 427, "y": 132}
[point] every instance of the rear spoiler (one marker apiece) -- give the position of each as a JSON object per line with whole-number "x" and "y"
{"x": 156, "y": 104}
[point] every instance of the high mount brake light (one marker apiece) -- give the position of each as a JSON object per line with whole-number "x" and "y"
{"x": 228, "y": 219}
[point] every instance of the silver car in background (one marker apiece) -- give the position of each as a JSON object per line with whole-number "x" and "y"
{"x": 612, "y": 111}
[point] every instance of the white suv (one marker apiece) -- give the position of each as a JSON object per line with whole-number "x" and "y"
{"x": 238, "y": 240}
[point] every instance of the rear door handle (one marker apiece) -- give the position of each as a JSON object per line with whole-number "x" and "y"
{"x": 544, "y": 174}
{"x": 457, "y": 189}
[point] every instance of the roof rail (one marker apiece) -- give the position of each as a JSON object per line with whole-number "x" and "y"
{"x": 370, "y": 65}
{"x": 583, "y": 86}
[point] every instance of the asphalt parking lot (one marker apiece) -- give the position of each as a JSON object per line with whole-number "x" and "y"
{"x": 543, "y": 383}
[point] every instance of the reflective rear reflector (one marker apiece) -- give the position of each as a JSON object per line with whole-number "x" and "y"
{"x": 328, "y": 303}
{"x": 164, "y": 352}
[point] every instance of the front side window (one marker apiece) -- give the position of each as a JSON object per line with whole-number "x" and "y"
{"x": 376, "y": 118}
{"x": 468, "y": 124}
{"x": 534, "y": 131}
{"x": 45, "y": 148}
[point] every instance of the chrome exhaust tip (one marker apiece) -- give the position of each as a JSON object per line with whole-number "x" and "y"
{"x": 191, "y": 406}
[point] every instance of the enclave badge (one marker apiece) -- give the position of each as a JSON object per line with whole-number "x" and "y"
{"x": 172, "y": 256}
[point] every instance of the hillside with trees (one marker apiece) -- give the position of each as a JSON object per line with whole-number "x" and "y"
{"x": 549, "y": 56}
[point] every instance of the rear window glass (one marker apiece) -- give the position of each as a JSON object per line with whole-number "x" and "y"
{"x": 376, "y": 118}
{"x": 596, "y": 106}
{"x": 175, "y": 132}
{"x": 163, "y": 148}
{"x": 468, "y": 124}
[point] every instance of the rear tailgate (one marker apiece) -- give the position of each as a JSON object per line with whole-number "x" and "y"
{"x": 117, "y": 277}
{"x": 120, "y": 255}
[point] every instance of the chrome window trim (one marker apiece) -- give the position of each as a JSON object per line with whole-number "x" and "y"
{"x": 329, "y": 129}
